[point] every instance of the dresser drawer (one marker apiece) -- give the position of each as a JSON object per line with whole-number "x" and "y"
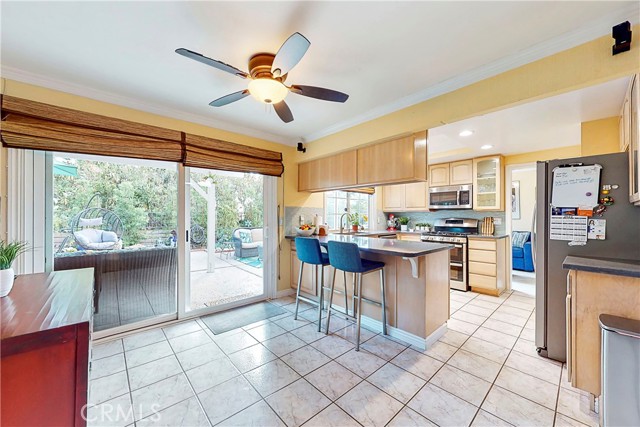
{"x": 481, "y": 281}
{"x": 486, "y": 269}
{"x": 482, "y": 256}
{"x": 484, "y": 244}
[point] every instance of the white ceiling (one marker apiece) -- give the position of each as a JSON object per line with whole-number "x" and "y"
{"x": 548, "y": 123}
{"x": 386, "y": 55}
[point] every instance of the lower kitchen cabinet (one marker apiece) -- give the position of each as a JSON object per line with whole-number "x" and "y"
{"x": 309, "y": 281}
{"x": 489, "y": 270}
{"x": 589, "y": 295}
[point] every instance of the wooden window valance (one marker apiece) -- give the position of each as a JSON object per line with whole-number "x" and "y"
{"x": 37, "y": 126}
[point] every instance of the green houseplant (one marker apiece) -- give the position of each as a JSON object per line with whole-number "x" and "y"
{"x": 8, "y": 253}
{"x": 404, "y": 223}
{"x": 354, "y": 219}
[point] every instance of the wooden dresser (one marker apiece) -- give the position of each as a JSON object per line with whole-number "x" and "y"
{"x": 46, "y": 332}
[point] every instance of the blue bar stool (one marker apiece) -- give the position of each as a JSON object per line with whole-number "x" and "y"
{"x": 346, "y": 257}
{"x": 309, "y": 252}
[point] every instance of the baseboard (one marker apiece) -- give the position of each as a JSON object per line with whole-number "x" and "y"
{"x": 285, "y": 293}
{"x": 409, "y": 338}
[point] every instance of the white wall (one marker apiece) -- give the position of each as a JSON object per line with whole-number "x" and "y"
{"x": 527, "y": 178}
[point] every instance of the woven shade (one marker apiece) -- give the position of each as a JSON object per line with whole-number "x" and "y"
{"x": 37, "y": 126}
{"x": 211, "y": 153}
{"x": 363, "y": 190}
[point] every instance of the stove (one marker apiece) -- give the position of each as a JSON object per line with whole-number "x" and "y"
{"x": 455, "y": 231}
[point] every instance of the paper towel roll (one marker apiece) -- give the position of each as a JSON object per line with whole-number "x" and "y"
{"x": 317, "y": 220}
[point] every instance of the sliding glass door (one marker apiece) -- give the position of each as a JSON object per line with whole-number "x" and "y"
{"x": 119, "y": 217}
{"x": 165, "y": 241}
{"x": 225, "y": 224}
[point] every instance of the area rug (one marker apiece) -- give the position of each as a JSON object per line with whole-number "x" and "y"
{"x": 253, "y": 261}
{"x": 242, "y": 316}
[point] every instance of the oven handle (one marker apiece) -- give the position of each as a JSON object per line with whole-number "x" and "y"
{"x": 456, "y": 264}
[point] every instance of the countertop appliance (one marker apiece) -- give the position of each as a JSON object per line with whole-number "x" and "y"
{"x": 451, "y": 197}
{"x": 454, "y": 231}
{"x": 622, "y": 242}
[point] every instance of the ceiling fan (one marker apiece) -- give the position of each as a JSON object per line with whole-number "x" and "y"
{"x": 267, "y": 73}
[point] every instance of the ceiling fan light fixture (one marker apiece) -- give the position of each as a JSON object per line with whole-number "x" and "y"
{"x": 268, "y": 91}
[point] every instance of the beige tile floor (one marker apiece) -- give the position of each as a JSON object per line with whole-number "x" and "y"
{"x": 280, "y": 372}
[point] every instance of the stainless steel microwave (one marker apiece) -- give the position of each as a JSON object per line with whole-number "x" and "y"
{"x": 451, "y": 197}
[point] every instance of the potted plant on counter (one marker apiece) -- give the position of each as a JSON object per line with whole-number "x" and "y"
{"x": 404, "y": 223}
{"x": 8, "y": 253}
{"x": 354, "y": 219}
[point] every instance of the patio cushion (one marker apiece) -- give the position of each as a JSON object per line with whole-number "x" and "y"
{"x": 256, "y": 235}
{"x": 90, "y": 222}
{"x": 109, "y": 236}
{"x": 100, "y": 246}
{"x": 245, "y": 236}
{"x": 252, "y": 245}
{"x": 88, "y": 236}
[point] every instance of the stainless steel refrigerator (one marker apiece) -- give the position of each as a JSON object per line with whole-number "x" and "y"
{"x": 622, "y": 242}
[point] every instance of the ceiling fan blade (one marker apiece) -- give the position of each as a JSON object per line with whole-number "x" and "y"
{"x": 319, "y": 93}
{"x": 289, "y": 54}
{"x": 283, "y": 111}
{"x": 228, "y": 99}
{"x": 211, "y": 62}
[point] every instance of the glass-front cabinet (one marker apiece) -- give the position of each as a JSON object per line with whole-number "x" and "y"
{"x": 488, "y": 183}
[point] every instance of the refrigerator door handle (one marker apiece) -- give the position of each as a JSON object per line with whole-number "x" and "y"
{"x": 569, "y": 327}
{"x": 533, "y": 236}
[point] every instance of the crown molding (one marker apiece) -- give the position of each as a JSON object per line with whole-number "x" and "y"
{"x": 588, "y": 32}
{"x": 123, "y": 101}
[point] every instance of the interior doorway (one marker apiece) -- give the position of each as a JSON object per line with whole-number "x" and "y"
{"x": 521, "y": 187}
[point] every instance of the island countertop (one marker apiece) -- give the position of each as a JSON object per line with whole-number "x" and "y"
{"x": 392, "y": 247}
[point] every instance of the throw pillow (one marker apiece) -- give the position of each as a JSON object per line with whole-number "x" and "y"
{"x": 245, "y": 236}
{"x": 519, "y": 238}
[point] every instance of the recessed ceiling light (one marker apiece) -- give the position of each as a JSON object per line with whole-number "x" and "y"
{"x": 486, "y": 147}
{"x": 466, "y": 133}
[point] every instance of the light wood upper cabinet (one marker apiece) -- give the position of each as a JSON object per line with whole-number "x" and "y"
{"x": 439, "y": 175}
{"x": 416, "y": 195}
{"x": 399, "y": 160}
{"x": 393, "y": 197}
{"x": 488, "y": 183}
{"x": 328, "y": 173}
{"x": 405, "y": 197}
{"x": 461, "y": 173}
{"x": 456, "y": 173}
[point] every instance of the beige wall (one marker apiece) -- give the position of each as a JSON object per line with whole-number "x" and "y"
{"x": 527, "y": 178}
{"x": 600, "y": 136}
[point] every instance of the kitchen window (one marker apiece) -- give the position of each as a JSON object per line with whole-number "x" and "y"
{"x": 335, "y": 203}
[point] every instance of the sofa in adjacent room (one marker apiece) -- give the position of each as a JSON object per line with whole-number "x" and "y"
{"x": 521, "y": 257}
{"x": 247, "y": 242}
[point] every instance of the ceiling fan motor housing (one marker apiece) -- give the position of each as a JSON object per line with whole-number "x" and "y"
{"x": 260, "y": 67}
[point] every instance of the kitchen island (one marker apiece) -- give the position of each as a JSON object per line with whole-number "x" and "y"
{"x": 417, "y": 286}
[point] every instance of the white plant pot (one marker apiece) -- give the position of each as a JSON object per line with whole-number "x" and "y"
{"x": 6, "y": 281}
{"x": 404, "y": 227}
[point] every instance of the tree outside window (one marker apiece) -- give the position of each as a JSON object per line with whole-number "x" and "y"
{"x": 335, "y": 203}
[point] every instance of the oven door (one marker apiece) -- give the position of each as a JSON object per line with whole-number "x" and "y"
{"x": 443, "y": 197}
{"x": 458, "y": 267}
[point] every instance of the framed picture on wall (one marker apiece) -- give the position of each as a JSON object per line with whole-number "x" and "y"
{"x": 515, "y": 199}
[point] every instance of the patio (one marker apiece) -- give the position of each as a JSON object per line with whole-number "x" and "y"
{"x": 136, "y": 291}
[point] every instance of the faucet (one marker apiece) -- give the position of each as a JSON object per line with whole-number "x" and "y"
{"x": 342, "y": 216}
